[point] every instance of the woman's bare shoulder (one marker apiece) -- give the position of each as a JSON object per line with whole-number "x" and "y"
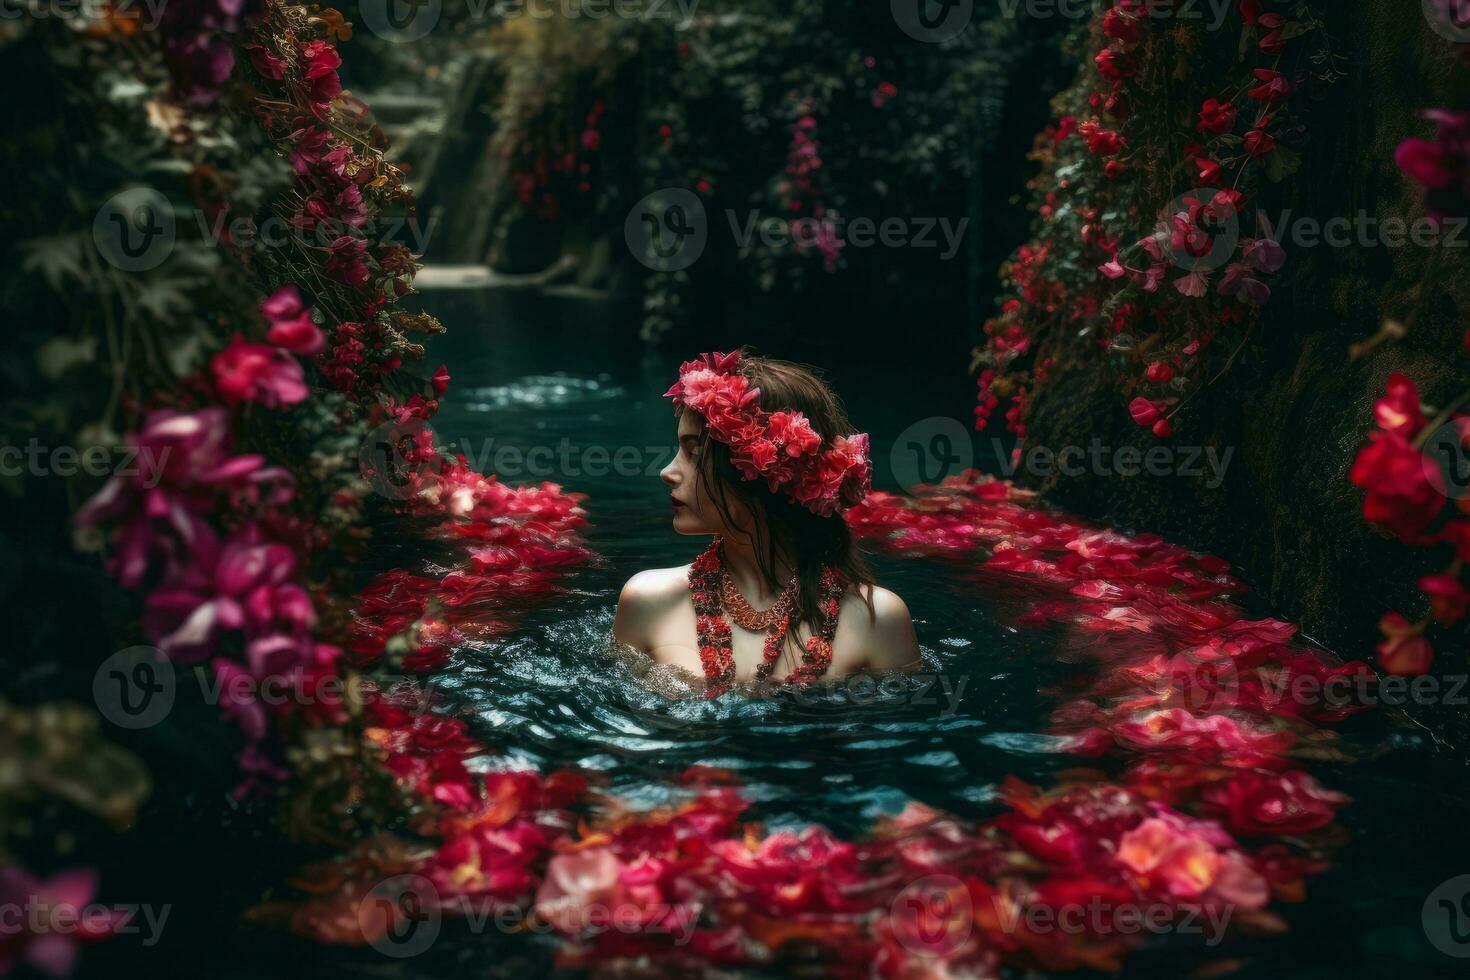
{"x": 656, "y": 585}
{"x": 646, "y": 597}
{"x": 884, "y": 639}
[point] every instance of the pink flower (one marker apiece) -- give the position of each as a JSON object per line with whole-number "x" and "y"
{"x": 1264, "y": 254}
{"x": 574, "y": 884}
{"x": 183, "y": 461}
{"x": 245, "y": 372}
{"x": 240, "y": 583}
{"x": 54, "y": 916}
{"x": 1237, "y": 282}
{"x": 1194, "y": 284}
{"x": 290, "y": 323}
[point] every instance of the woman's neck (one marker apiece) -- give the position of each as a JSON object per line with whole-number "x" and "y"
{"x": 744, "y": 571}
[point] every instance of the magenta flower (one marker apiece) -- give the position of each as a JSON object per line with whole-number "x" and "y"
{"x": 1442, "y": 165}
{"x": 246, "y": 372}
{"x": 54, "y": 918}
{"x": 183, "y": 460}
{"x": 215, "y": 592}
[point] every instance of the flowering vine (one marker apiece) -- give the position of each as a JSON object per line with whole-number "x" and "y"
{"x": 1154, "y": 302}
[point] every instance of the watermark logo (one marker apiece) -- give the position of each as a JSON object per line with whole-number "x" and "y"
{"x": 933, "y": 916}
{"x": 1197, "y": 234}
{"x": 401, "y": 916}
{"x": 930, "y": 450}
{"x": 135, "y": 229}
{"x": 1446, "y": 917}
{"x": 1207, "y": 676}
{"x": 667, "y": 230}
{"x": 1450, "y": 19}
{"x": 932, "y": 21}
{"x": 134, "y": 688}
{"x": 401, "y": 21}
{"x": 1447, "y": 461}
{"x": 393, "y": 460}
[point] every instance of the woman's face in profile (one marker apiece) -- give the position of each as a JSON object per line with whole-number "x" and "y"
{"x": 694, "y": 508}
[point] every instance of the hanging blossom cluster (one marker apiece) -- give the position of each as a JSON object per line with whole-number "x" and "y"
{"x": 1208, "y": 714}
{"x": 221, "y": 541}
{"x": 812, "y": 226}
{"x": 1195, "y": 273}
{"x": 1412, "y": 465}
{"x": 540, "y": 179}
{"x": 1414, "y": 494}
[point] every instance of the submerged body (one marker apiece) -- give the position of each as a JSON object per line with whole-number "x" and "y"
{"x": 656, "y": 615}
{"x": 782, "y": 591}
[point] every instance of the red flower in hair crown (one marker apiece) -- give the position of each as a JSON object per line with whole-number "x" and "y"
{"x": 781, "y": 448}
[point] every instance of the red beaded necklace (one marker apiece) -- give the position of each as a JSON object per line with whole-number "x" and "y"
{"x": 707, "y": 582}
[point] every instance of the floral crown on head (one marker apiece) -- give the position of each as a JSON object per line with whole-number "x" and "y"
{"x": 780, "y": 447}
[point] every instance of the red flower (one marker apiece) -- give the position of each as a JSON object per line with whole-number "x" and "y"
{"x": 1121, "y": 26}
{"x": 1144, "y": 412}
{"x": 1273, "y": 88}
{"x": 1404, "y": 650}
{"x": 1216, "y": 117}
{"x": 1112, "y": 66}
{"x": 1159, "y": 373}
{"x": 322, "y": 62}
{"x": 1209, "y": 170}
{"x": 290, "y": 323}
{"x": 440, "y": 381}
{"x": 1398, "y": 411}
{"x": 1398, "y": 478}
{"x": 1258, "y": 142}
{"x": 1272, "y": 42}
{"x": 1441, "y": 166}
{"x": 1260, "y": 804}
{"x": 1448, "y": 597}
{"x": 1100, "y": 142}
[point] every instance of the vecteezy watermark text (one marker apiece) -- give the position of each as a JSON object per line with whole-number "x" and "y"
{"x": 403, "y": 915}
{"x": 1211, "y": 13}
{"x": 859, "y": 232}
{"x": 138, "y": 228}
{"x": 39, "y": 917}
{"x": 37, "y": 459}
{"x": 934, "y": 448}
{"x": 146, "y": 14}
{"x": 669, "y": 229}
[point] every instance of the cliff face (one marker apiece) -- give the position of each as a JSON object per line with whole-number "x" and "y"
{"x": 1294, "y": 408}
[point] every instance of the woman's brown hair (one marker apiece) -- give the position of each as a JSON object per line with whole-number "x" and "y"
{"x": 806, "y": 540}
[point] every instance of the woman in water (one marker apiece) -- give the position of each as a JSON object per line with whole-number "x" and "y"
{"x": 766, "y": 461}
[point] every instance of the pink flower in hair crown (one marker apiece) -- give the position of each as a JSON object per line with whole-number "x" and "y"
{"x": 781, "y": 447}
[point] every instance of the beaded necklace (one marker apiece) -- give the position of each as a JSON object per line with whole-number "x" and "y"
{"x": 712, "y": 591}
